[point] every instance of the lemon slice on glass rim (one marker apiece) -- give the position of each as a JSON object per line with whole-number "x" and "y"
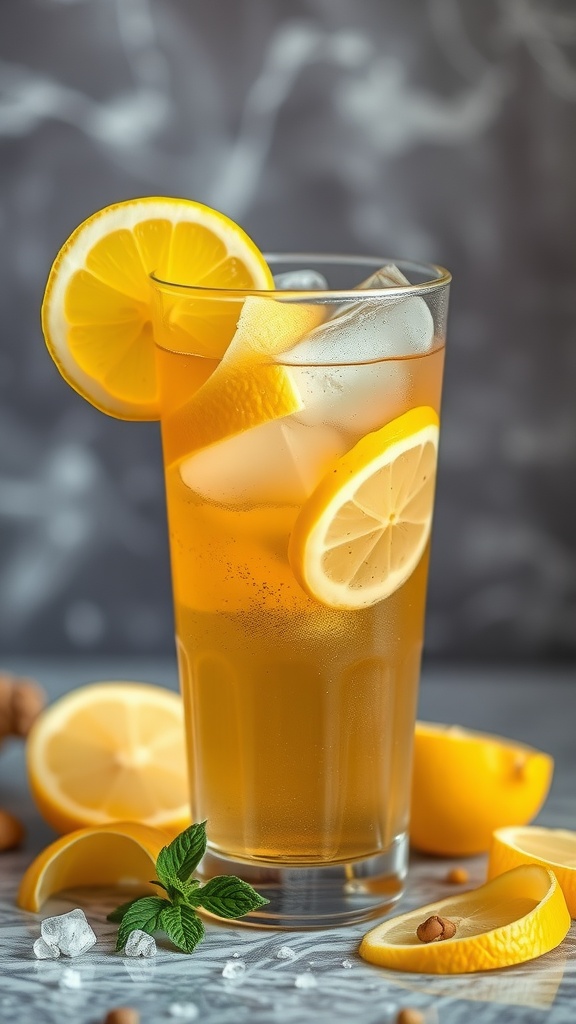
{"x": 97, "y": 308}
{"x": 363, "y": 531}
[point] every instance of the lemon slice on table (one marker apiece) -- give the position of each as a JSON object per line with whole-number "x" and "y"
{"x": 248, "y": 388}
{"x": 106, "y": 855}
{"x": 516, "y": 917}
{"x": 97, "y": 309}
{"x": 110, "y": 752}
{"x": 364, "y": 529}
{"x": 465, "y": 784}
{"x": 553, "y": 848}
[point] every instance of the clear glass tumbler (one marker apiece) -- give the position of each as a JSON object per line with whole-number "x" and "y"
{"x": 300, "y": 454}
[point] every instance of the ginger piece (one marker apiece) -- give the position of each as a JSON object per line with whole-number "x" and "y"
{"x": 11, "y": 832}
{"x": 21, "y": 701}
{"x": 122, "y": 1015}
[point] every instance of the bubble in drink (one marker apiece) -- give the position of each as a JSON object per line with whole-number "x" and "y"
{"x": 45, "y": 950}
{"x": 300, "y": 280}
{"x": 70, "y": 933}
{"x": 140, "y": 944}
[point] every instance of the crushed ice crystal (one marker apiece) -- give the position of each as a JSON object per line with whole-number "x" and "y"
{"x": 140, "y": 944}
{"x": 286, "y": 953}
{"x": 70, "y": 933}
{"x": 305, "y": 981}
{"x": 185, "y": 1011}
{"x": 233, "y": 969}
{"x": 45, "y": 950}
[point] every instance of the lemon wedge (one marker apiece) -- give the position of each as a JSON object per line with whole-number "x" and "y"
{"x": 516, "y": 917}
{"x": 107, "y": 855}
{"x": 97, "y": 308}
{"x": 110, "y": 751}
{"x": 363, "y": 531}
{"x": 553, "y": 848}
{"x": 465, "y": 784}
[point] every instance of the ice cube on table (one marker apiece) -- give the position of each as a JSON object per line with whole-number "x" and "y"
{"x": 139, "y": 943}
{"x": 351, "y": 371}
{"x": 233, "y": 969}
{"x": 286, "y": 953}
{"x": 70, "y": 933}
{"x": 277, "y": 463}
{"x": 185, "y": 1011}
{"x": 300, "y": 280}
{"x": 305, "y": 981}
{"x": 45, "y": 950}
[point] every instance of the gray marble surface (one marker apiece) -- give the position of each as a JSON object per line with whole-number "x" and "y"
{"x": 435, "y": 129}
{"x": 535, "y": 706}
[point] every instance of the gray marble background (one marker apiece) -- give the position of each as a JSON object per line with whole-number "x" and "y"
{"x": 432, "y": 129}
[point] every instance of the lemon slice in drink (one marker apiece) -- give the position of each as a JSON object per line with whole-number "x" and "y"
{"x": 97, "y": 309}
{"x": 553, "y": 848}
{"x": 516, "y": 917}
{"x": 364, "y": 529}
{"x": 248, "y": 387}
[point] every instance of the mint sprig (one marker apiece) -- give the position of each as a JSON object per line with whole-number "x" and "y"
{"x": 175, "y": 912}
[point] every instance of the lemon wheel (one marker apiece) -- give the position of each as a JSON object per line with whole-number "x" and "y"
{"x": 111, "y": 752}
{"x": 97, "y": 309}
{"x": 364, "y": 529}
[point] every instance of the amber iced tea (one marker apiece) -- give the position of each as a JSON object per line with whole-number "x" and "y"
{"x": 299, "y": 714}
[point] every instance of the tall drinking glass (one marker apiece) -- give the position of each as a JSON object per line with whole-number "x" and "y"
{"x": 299, "y": 484}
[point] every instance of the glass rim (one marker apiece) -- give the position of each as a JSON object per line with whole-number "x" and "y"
{"x": 437, "y": 278}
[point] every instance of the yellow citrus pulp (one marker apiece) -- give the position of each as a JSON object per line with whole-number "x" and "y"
{"x": 247, "y": 388}
{"x": 466, "y": 784}
{"x": 121, "y": 853}
{"x": 110, "y": 752}
{"x": 363, "y": 531}
{"x": 553, "y": 848}
{"x": 97, "y": 309}
{"x": 516, "y": 917}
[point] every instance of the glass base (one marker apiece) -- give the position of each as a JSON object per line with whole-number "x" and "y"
{"x": 319, "y": 896}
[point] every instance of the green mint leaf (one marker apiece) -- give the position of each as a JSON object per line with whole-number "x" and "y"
{"x": 182, "y": 855}
{"x": 228, "y": 896}
{"x": 182, "y": 926}
{"x": 145, "y": 914}
{"x": 183, "y": 892}
{"x": 118, "y": 914}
